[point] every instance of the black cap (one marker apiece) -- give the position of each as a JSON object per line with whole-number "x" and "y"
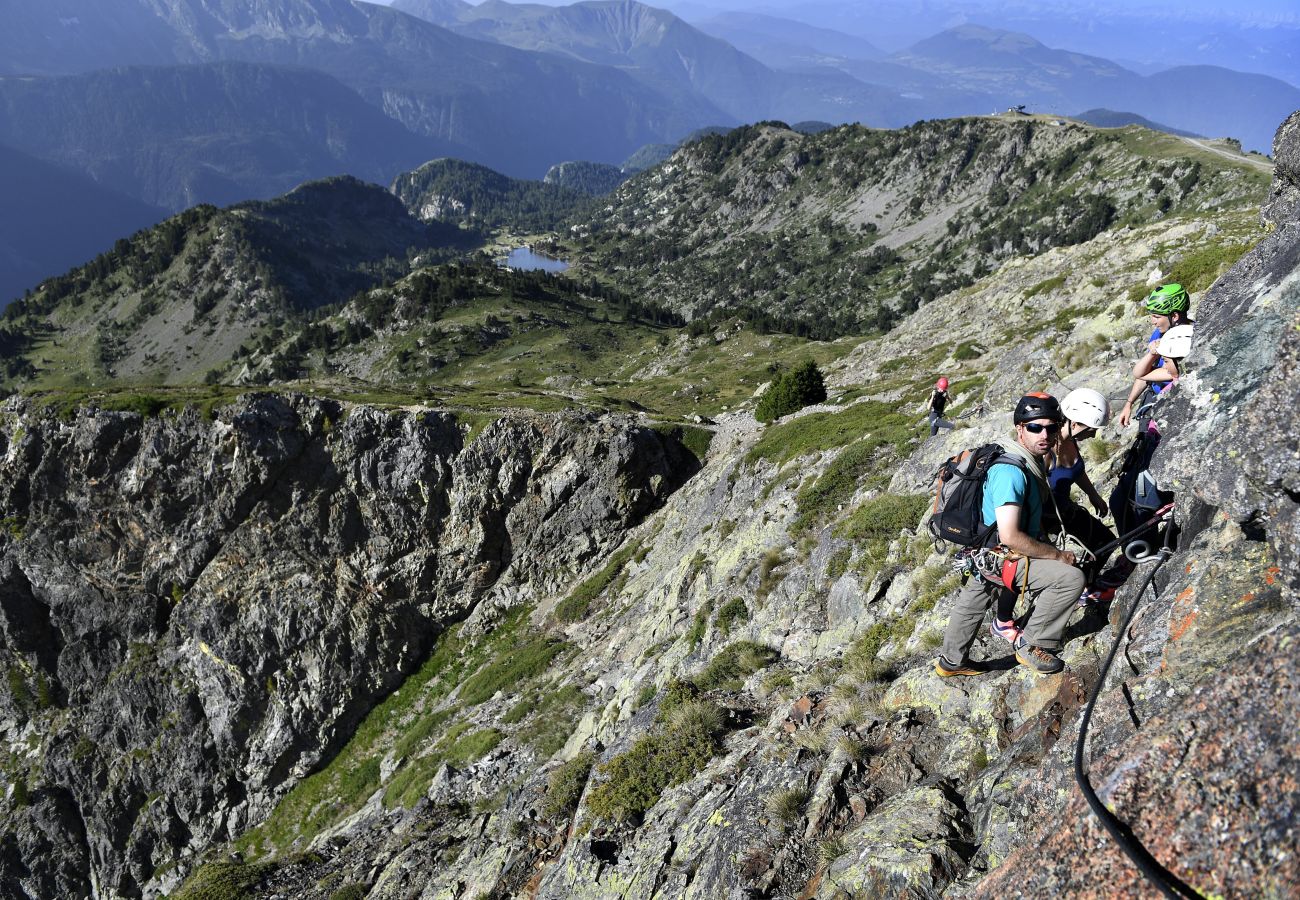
{"x": 1038, "y": 406}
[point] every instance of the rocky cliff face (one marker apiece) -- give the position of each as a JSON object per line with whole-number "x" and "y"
{"x": 296, "y": 653}
{"x": 196, "y": 613}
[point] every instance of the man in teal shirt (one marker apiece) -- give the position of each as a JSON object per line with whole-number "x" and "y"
{"x": 1013, "y": 499}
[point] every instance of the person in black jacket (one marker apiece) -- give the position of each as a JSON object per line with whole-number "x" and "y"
{"x": 934, "y": 412}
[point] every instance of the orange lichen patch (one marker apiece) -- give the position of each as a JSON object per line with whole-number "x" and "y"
{"x": 1272, "y": 574}
{"x": 1182, "y": 614}
{"x": 1246, "y": 598}
{"x": 1179, "y": 628}
{"x": 1188, "y": 570}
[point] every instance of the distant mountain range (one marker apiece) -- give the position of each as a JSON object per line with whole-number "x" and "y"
{"x": 217, "y": 133}
{"x": 1017, "y": 69}
{"x": 515, "y": 110}
{"x": 177, "y": 102}
{"x": 668, "y": 55}
{"x": 1144, "y": 38}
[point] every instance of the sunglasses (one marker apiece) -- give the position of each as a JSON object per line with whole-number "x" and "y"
{"x": 1036, "y": 428}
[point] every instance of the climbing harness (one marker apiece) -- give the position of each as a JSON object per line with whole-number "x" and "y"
{"x": 1167, "y": 882}
{"x": 996, "y": 565}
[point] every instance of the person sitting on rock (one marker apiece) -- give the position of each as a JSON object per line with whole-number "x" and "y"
{"x": 934, "y": 411}
{"x": 1169, "y": 306}
{"x": 1013, "y": 500}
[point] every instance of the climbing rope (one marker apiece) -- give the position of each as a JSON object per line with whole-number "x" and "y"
{"x": 1167, "y": 882}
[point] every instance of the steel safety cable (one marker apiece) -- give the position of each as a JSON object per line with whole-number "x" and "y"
{"x": 1166, "y": 881}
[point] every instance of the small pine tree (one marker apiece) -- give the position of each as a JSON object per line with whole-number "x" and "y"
{"x": 792, "y": 391}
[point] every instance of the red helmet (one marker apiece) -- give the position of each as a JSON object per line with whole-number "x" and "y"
{"x": 941, "y": 384}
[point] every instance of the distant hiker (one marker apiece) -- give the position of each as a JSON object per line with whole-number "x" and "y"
{"x": 1015, "y": 491}
{"x": 934, "y": 411}
{"x": 1168, "y": 306}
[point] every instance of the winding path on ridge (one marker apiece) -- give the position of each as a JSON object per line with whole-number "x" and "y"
{"x": 1259, "y": 162}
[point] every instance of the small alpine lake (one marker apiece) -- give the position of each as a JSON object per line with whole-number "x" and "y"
{"x": 526, "y": 260}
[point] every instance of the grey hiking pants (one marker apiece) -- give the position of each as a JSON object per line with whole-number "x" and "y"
{"x": 1054, "y": 589}
{"x": 936, "y": 422}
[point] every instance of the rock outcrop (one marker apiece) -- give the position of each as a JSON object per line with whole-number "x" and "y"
{"x": 196, "y": 614}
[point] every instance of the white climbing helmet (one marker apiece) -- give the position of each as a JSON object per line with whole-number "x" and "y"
{"x": 1087, "y": 407}
{"x": 1176, "y": 343}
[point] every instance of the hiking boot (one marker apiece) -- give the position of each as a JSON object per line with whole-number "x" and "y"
{"x": 1042, "y": 661}
{"x": 945, "y": 669}
{"x": 1008, "y": 631}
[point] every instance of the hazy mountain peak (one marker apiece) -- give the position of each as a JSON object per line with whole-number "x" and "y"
{"x": 996, "y": 38}
{"x": 439, "y": 12}
{"x": 271, "y": 20}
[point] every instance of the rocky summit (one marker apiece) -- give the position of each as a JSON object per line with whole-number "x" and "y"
{"x": 291, "y": 646}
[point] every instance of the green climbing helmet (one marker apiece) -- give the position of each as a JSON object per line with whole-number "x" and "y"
{"x": 1167, "y": 300}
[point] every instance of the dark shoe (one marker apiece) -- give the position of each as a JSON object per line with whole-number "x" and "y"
{"x": 1044, "y": 662}
{"x": 945, "y": 669}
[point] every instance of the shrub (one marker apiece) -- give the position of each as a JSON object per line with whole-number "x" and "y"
{"x": 677, "y": 693}
{"x": 884, "y": 517}
{"x": 1046, "y": 285}
{"x": 354, "y": 891}
{"x": 732, "y": 612}
{"x": 767, "y": 577}
{"x": 877, "y": 422}
{"x": 146, "y": 405}
{"x": 635, "y": 780}
{"x": 1201, "y": 268}
{"x": 699, "y": 625}
{"x": 564, "y": 785}
{"x": 838, "y": 483}
{"x": 786, "y": 806}
{"x": 838, "y": 564}
{"x": 792, "y": 391}
{"x": 514, "y": 665}
{"x": 967, "y": 350}
{"x": 554, "y": 713}
{"x": 223, "y": 881}
{"x": 733, "y": 664}
{"x": 696, "y": 440}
